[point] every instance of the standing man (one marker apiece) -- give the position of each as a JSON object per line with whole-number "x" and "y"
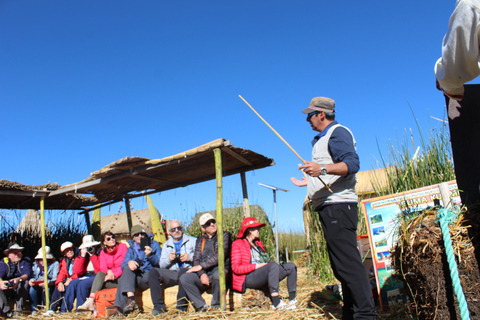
{"x": 460, "y": 50}
{"x": 139, "y": 260}
{"x": 176, "y": 259}
{"x": 204, "y": 273}
{"x": 15, "y": 271}
{"x": 334, "y": 159}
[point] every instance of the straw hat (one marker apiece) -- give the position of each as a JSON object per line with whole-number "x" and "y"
{"x": 88, "y": 241}
{"x": 12, "y": 246}
{"x": 47, "y": 252}
{"x": 249, "y": 222}
{"x": 66, "y": 245}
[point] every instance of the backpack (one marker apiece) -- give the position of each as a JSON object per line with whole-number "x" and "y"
{"x": 104, "y": 300}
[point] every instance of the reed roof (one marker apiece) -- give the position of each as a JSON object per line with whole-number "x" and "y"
{"x": 130, "y": 176}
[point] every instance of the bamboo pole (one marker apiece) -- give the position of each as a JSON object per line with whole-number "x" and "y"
{"x": 281, "y": 138}
{"x": 246, "y": 205}
{"x": 221, "y": 253}
{"x": 45, "y": 265}
{"x": 97, "y": 223}
{"x": 129, "y": 214}
{"x": 157, "y": 228}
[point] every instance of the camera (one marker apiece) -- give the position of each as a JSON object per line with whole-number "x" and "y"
{"x": 177, "y": 256}
{"x": 10, "y": 284}
{"x": 91, "y": 250}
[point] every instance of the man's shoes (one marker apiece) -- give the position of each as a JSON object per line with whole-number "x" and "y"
{"x": 205, "y": 308}
{"x": 157, "y": 313}
{"x": 14, "y": 315}
{"x": 130, "y": 306}
{"x": 49, "y": 313}
{"x": 88, "y": 305}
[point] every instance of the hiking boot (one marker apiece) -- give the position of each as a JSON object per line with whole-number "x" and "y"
{"x": 117, "y": 315}
{"x": 130, "y": 306}
{"x": 89, "y": 305}
{"x": 157, "y": 313}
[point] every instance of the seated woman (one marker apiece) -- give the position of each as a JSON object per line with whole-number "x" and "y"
{"x": 37, "y": 284}
{"x": 86, "y": 266}
{"x": 252, "y": 268}
{"x": 64, "y": 277}
{"x": 111, "y": 258}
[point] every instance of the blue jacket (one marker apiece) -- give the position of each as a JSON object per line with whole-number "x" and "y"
{"x": 52, "y": 271}
{"x": 188, "y": 246}
{"x": 9, "y": 271}
{"x": 146, "y": 263}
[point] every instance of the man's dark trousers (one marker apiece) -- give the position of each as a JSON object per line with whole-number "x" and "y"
{"x": 339, "y": 222}
{"x": 159, "y": 280}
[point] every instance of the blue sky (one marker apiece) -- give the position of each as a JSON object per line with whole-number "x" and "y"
{"x": 85, "y": 83}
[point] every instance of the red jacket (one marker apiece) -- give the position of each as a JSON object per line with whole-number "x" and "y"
{"x": 241, "y": 262}
{"x": 63, "y": 272}
{"x": 80, "y": 264}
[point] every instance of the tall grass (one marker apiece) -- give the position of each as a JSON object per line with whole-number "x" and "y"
{"x": 293, "y": 240}
{"x": 409, "y": 166}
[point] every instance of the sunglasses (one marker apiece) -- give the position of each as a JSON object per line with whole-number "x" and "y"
{"x": 175, "y": 229}
{"x": 311, "y": 114}
{"x": 140, "y": 233}
{"x": 209, "y": 223}
{"x": 109, "y": 238}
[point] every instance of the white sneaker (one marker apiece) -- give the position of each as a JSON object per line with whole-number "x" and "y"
{"x": 292, "y": 304}
{"x": 281, "y": 306}
{"x": 89, "y": 305}
{"x": 49, "y": 313}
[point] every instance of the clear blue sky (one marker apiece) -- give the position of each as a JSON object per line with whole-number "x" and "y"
{"x": 85, "y": 83}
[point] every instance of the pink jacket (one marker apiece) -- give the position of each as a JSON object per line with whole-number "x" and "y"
{"x": 112, "y": 260}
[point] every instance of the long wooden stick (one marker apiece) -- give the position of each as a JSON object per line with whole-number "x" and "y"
{"x": 281, "y": 138}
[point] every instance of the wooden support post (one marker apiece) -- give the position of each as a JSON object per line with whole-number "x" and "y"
{"x": 221, "y": 253}
{"x": 45, "y": 265}
{"x": 96, "y": 223}
{"x": 157, "y": 228}
{"x": 246, "y": 205}
{"x": 129, "y": 214}
{"x": 445, "y": 194}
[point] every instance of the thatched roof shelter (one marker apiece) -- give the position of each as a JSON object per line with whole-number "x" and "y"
{"x": 365, "y": 188}
{"x": 31, "y": 224}
{"x": 131, "y": 176}
{"x": 117, "y": 222}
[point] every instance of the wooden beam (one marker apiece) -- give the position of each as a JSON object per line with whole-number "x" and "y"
{"x": 152, "y": 179}
{"x": 237, "y": 156}
{"x": 246, "y": 205}
{"x": 25, "y": 193}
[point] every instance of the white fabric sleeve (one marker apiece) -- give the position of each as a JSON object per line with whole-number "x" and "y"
{"x": 460, "y": 49}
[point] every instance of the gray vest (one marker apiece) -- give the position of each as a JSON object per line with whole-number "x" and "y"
{"x": 343, "y": 187}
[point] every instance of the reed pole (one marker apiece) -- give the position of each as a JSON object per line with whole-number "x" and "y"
{"x": 281, "y": 138}
{"x": 221, "y": 250}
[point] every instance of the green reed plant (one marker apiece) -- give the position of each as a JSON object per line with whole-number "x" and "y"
{"x": 409, "y": 169}
{"x": 293, "y": 240}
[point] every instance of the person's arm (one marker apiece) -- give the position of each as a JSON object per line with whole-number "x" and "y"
{"x": 120, "y": 259}
{"x": 460, "y": 51}
{"x": 80, "y": 263}
{"x": 165, "y": 262}
{"x": 62, "y": 272}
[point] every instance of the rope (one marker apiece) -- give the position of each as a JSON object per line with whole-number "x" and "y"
{"x": 445, "y": 217}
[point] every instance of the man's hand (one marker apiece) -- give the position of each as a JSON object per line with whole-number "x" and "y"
{"x": 204, "y": 279}
{"x": 133, "y": 265}
{"x": 171, "y": 256}
{"x": 83, "y": 252}
{"x": 298, "y": 183}
{"x": 3, "y": 285}
{"x": 61, "y": 287}
{"x": 311, "y": 168}
{"x": 184, "y": 257}
{"x": 194, "y": 269}
{"x": 110, "y": 276}
{"x": 148, "y": 251}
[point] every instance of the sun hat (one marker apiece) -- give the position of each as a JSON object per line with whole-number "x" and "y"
{"x": 320, "y": 104}
{"x": 48, "y": 253}
{"x": 205, "y": 218}
{"x": 65, "y": 246}
{"x": 12, "y": 246}
{"x": 137, "y": 229}
{"x": 249, "y": 222}
{"x": 88, "y": 241}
